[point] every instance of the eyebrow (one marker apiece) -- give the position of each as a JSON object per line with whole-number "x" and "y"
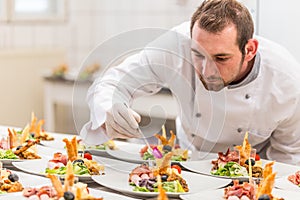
{"x": 216, "y": 55}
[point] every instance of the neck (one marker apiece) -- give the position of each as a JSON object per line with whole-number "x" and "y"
{"x": 245, "y": 73}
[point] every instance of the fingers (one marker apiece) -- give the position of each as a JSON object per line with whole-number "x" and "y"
{"x": 113, "y": 126}
{"x": 117, "y": 133}
{"x": 136, "y": 116}
{"x": 125, "y": 117}
{"x": 122, "y": 122}
{"x": 129, "y": 119}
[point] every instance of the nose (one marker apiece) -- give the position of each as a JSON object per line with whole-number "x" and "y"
{"x": 210, "y": 69}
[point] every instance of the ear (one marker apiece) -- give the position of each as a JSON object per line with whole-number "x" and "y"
{"x": 251, "y": 49}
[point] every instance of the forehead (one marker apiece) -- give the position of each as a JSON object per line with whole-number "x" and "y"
{"x": 215, "y": 42}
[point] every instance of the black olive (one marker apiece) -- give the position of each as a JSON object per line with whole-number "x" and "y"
{"x": 164, "y": 177}
{"x": 264, "y": 197}
{"x": 69, "y": 195}
{"x": 167, "y": 148}
{"x": 13, "y": 177}
{"x": 252, "y": 162}
{"x": 19, "y": 147}
{"x": 32, "y": 134}
{"x": 80, "y": 161}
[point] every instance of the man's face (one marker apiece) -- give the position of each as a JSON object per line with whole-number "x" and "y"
{"x": 216, "y": 57}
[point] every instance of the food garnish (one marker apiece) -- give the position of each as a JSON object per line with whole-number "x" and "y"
{"x": 82, "y": 165}
{"x": 236, "y": 163}
{"x": 167, "y": 145}
{"x": 250, "y": 190}
{"x": 145, "y": 178}
{"x": 58, "y": 191}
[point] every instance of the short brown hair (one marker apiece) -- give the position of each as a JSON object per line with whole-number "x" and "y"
{"x": 214, "y": 15}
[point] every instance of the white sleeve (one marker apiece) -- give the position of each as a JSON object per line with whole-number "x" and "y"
{"x": 285, "y": 140}
{"x": 156, "y": 66}
{"x": 120, "y": 84}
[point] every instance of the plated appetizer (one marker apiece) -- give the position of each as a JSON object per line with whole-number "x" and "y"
{"x": 167, "y": 145}
{"x": 250, "y": 190}
{"x": 236, "y": 163}
{"x": 145, "y": 178}
{"x": 9, "y": 182}
{"x": 82, "y": 164}
{"x": 69, "y": 191}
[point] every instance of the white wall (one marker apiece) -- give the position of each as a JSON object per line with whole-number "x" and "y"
{"x": 91, "y": 22}
{"x": 21, "y": 83}
{"x": 279, "y": 21}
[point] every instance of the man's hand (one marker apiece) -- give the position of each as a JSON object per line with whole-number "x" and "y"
{"x": 122, "y": 122}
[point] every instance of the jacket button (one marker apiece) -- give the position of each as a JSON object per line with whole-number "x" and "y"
{"x": 247, "y": 96}
{"x": 198, "y": 114}
{"x": 239, "y": 130}
{"x": 193, "y": 135}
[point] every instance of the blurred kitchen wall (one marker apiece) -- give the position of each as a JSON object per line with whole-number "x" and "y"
{"x": 88, "y": 23}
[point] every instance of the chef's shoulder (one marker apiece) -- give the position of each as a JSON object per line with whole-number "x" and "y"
{"x": 280, "y": 70}
{"x": 171, "y": 47}
{"x": 278, "y": 59}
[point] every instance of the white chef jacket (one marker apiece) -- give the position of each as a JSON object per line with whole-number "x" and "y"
{"x": 266, "y": 106}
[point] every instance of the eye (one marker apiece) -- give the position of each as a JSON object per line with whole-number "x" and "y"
{"x": 198, "y": 55}
{"x": 221, "y": 59}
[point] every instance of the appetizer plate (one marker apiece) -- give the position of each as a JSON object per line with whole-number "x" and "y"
{"x": 218, "y": 195}
{"x": 285, "y": 184}
{"x": 196, "y": 182}
{"x": 94, "y": 192}
{"x": 204, "y": 167}
{"x": 38, "y": 167}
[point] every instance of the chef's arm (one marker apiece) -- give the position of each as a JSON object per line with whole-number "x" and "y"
{"x": 285, "y": 140}
{"x": 120, "y": 84}
{"x": 156, "y": 66}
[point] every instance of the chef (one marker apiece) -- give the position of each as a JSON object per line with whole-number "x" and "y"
{"x": 226, "y": 82}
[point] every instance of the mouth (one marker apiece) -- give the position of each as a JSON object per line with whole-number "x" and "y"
{"x": 212, "y": 84}
{"x": 215, "y": 85}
